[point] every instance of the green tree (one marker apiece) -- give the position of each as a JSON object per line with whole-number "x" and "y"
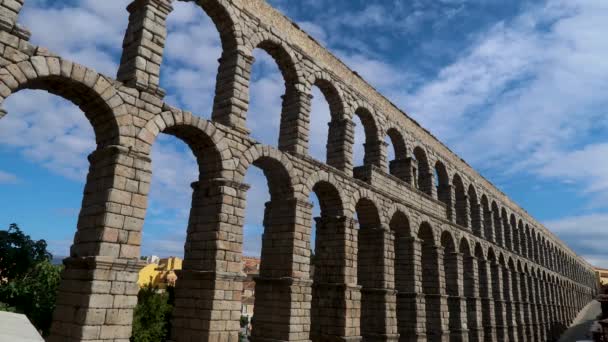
{"x": 19, "y": 253}
{"x": 34, "y": 294}
{"x": 151, "y": 320}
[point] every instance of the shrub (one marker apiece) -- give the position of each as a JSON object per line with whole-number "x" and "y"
{"x": 34, "y": 294}
{"x": 152, "y": 317}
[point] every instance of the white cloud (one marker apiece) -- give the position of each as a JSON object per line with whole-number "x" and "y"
{"x": 586, "y": 234}
{"x": 315, "y": 31}
{"x": 587, "y": 166}
{"x": 94, "y": 34}
{"x": 524, "y": 98}
{"x": 379, "y": 74}
{"x": 587, "y": 224}
{"x": 8, "y": 178}
{"x": 48, "y": 130}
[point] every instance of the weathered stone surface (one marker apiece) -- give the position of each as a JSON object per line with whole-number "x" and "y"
{"x": 458, "y": 261}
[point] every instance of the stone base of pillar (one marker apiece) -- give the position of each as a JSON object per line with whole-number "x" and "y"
{"x": 411, "y": 315}
{"x": 476, "y": 334}
{"x": 330, "y": 338}
{"x": 207, "y": 306}
{"x": 443, "y": 337}
{"x": 501, "y": 333}
{"x": 282, "y": 309}
{"x": 263, "y": 339}
{"x": 489, "y": 334}
{"x": 95, "y": 299}
{"x": 413, "y": 337}
{"x": 437, "y": 327}
{"x": 334, "y": 314}
{"x": 341, "y": 339}
{"x": 378, "y": 320}
{"x": 461, "y": 335}
{"x": 381, "y": 338}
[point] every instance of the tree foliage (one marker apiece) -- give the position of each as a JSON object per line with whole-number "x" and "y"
{"x": 19, "y": 253}
{"x": 34, "y": 294}
{"x": 152, "y": 317}
{"x": 28, "y": 281}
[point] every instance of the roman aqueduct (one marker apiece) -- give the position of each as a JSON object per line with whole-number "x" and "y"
{"x": 452, "y": 261}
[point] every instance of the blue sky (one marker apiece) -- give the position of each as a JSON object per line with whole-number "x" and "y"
{"x": 518, "y": 89}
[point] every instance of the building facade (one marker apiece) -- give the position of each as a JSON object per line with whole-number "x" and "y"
{"x": 602, "y": 276}
{"x": 159, "y": 275}
{"x": 398, "y": 256}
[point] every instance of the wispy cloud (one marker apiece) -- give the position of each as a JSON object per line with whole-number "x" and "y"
{"x": 587, "y": 234}
{"x": 522, "y": 99}
{"x": 8, "y": 178}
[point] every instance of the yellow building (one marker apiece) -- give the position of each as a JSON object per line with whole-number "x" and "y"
{"x": 160, "y": 275}
{"x": 602, "y": 275}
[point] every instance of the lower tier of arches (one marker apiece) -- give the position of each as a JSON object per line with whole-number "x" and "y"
{"x": 410, "y": 277}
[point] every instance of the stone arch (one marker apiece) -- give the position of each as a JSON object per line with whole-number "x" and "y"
{"x": 405, "y": 269}
{"x": 470, "y": 281}
{"x": 475, "y": 211}
{"x": 99, "y": 222}
{"x": 523, "y": 244}
{"x": 372, "y": 148}
{"x": 514, "y": 234}
{"x": 488, "y": 224}
{"x": 400, "y": 224}
{"x": 502, "y": 258}
{"x": 233, "y": 69}
{"x": 426, "y": 234}
{"x": 400, "y": 166}
{"x": 529, "y": 243}
{"x": 498, "y": 230}
{"x": 372, "y": 245}
{"x": 423, "y": 175}
{"x": 497, "y": 263}
{"x": 339, "y": 129}
{"x": 294, "y": 117}
{"x": 141, "y": 60}
{"x": 535, "y": 245}
{"x": 543, "y": 252}
{"x": 333, "y": 261}
{"x": 355, "y": 197}
{"x": 205, "y": 141}
{"x": 464, "y": 247}
{"x": 330, "y": 199}
{"x": 325, "y": 178}
{"x": 367, "y": 214}
{"x": 550, "y": 254}
{"x": 479, "y": 251}
{"x": 447, "y": 242}
{"x": 283, "y": 55}
{"x": 443, "y": 187}
{"x": 276, "y": 166}
{"x": 222, "y": 14}
{"x": 432, "y": 285}
{"x": 215, "y": 165}
{"x": 516, "y": 278}
{"x": 485, "y": 287}
{"x": 285, "y": 241}
{"x": 332, "y": 93}
{"x": 461, "y": 203}
{"x": 398, "y": 143}
{"x": 451, "y": 269}
{"x": 507, "y": 229}
{"x": 93, "y": 93}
